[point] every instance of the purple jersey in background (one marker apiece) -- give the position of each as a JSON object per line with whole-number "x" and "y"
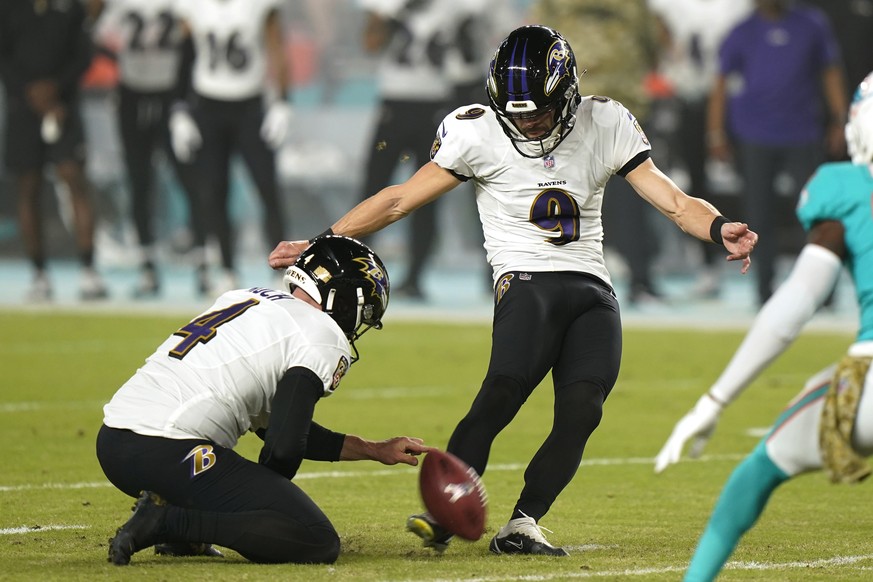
{"x": 779, "y": 63}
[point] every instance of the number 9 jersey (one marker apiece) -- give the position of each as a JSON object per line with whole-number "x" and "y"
{"x": 542, "y": 214}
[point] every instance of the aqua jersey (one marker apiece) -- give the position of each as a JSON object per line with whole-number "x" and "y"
{"x": 844, "y": 191}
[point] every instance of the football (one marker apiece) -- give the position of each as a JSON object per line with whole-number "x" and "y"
{"x": 453, "y": 494}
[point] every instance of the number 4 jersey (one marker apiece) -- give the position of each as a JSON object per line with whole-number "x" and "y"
{"x": 542, "y": 214}
{"x": 216, "y": 376}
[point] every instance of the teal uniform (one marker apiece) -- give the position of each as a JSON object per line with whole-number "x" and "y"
{"x": 837, "y": 191}
{"x": 844, "y": 191}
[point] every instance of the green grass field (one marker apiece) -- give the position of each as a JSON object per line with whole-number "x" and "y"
{"x": 618, "y": 519}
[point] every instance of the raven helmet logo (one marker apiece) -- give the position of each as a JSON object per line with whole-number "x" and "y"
{"x": 557, "y": 66}
{"x": 374, "y": 273}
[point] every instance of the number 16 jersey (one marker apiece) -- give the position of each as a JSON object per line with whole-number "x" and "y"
{"x": 229, "y": 38}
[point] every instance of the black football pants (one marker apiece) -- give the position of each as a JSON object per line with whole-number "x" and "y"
{"x": 217, "y": 496}
{"x": 568, "y": 323}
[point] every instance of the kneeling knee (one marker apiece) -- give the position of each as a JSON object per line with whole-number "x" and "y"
{"x": 325, "y": 548}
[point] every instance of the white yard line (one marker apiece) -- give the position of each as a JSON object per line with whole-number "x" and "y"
{"x": 757, "y": 566}
{"x": 38, "y": 528}
{"x": 385, "y": 472}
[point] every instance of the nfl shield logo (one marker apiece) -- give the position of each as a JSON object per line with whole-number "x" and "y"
{"x": 549, "y": 161}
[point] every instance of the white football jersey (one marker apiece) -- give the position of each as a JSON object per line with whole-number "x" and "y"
{"x": 215, "y": 378}
{"x": 541, "y": 214}
{"x": 697, "y": 28}
{"x": 411, "y": 65}
{"x": 147, "y": 37}
{"x": 229, "y": 38}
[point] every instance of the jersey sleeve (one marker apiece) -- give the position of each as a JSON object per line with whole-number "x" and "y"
{"x": 824, "y": 197}
{"x": 327, "y": 355}
{"x": 454, "y": 146}
{"x": 620, "y": 134}
{"x": 729, "y": 57}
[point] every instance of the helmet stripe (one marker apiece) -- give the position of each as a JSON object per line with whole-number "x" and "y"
{"x": 518, "y": 70}
{"x": 511, "y": 71}
{"x": 524, "y": 88}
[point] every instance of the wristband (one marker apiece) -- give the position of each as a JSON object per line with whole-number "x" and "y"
{"x": 715, "y": 229}
{"x": 328, "y": 232}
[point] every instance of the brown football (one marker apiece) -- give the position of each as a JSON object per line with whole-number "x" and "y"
{"x": 453, "y": 494}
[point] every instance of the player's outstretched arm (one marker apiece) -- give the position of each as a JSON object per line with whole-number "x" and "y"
{"x": 695, "y": 216}
{"x": 395, "y": 450}
{"x": 378, "y": 211}
{"x": 775, "y": 328}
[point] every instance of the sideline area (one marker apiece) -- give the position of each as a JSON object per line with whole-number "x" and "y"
{"x": 454, "y": 295}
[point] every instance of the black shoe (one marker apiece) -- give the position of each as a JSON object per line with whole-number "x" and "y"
{"x": 523, "y": 536}
{"x": 431, "y": 533}
{"x": 140, "y": 531}
{"x": 184, "y": 549}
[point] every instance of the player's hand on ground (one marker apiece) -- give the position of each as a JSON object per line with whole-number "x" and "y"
{"x": 286, "y": 252}
{"x": 399, "y": 450}
{"x": 739, "y": 241}
{"x": 698, "y": 424}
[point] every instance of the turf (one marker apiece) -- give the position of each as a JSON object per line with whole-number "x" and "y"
{"x": 618, "y": 519}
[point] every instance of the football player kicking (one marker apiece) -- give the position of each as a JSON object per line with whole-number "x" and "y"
{"x": 258, "y": 360}
{"x": 829, "y": 425}
{"x": 539, "y": 158}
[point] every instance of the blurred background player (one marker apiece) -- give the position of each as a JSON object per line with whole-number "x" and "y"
{"x": 146, "y": 38}
{"x": 615, "y": 40}
{"x": 689, "y": 34}
{"x": 44, "y": 51}
{"x": 829, "y": 425}
{"x": 411, "y": 38}
{"x": 852, "y": 23}
{"x": 237, "y": 103}
{"x": 779, "y": 99}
